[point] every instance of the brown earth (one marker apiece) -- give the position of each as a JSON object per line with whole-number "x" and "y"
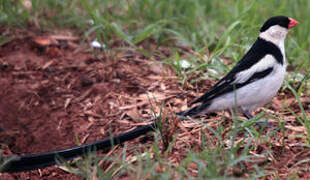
{"x": 54, "y": 91}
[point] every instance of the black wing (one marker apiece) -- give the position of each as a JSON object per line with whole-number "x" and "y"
{"x": 259, "y": 49}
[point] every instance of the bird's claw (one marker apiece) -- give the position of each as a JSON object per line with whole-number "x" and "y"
{"x": 263, "y": 123}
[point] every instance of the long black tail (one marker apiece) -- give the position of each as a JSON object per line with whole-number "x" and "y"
{"x": 42, "y": 160}
{"x": 37, "y": 161}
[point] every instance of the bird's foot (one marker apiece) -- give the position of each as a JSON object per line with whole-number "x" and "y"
{"x": 248, "y": 115}
{"x": 263, "y": 123}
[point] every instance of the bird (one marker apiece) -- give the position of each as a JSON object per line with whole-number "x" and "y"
{"x": 255, "y": 79}
{"x": 251, "y": 83}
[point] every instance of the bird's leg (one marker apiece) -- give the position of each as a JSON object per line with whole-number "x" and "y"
{"x": 247, "y": 114}
{"x": 261, "y": 123}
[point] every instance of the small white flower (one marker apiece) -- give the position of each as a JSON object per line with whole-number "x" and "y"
{"x": 90, "y": 22}
{"x": 185, "y": 64}
{"x": 97, "y": 45}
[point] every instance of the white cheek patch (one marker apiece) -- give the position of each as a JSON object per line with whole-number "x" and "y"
{"x": 275, "y": 34}
{"x": 263, "y": 64}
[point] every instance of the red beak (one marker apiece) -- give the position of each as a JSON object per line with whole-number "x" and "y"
{"x": 292, "y": 23}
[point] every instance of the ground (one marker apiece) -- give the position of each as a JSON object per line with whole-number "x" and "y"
{"x": 58, "y": 95}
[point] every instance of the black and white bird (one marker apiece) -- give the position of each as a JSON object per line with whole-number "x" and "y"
{"x": 252, "y": 83}
{"x": 256, "y": 78}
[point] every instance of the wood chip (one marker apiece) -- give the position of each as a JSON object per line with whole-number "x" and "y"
{"x": 67, "y": 102}
{"x": 84, "y": 95}
{"x": 84, "y": 138}
{"x": 91, "y": 113}
{"x": 47, "y": 64}
{"x": 64, "y": 37}
{"x": 44, "y": 41}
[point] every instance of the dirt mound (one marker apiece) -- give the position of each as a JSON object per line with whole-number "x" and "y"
{"x": 48, "y": 99}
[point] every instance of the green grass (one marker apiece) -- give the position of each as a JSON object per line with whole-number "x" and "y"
{"x": 213, "y": 30}
{"x": 201, "y": 25}
{"x": 218, "y": 28}
{"x": 214, "y": 161}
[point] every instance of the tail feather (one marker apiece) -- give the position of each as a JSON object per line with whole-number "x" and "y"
{"x": 195, "y": 111}
{"x": 42, "y": 160}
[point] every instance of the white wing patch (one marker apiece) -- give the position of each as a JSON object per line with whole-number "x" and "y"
{"x": 263, "y": 64}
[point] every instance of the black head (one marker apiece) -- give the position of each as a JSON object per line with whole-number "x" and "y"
{"x": 282, "y": 21}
